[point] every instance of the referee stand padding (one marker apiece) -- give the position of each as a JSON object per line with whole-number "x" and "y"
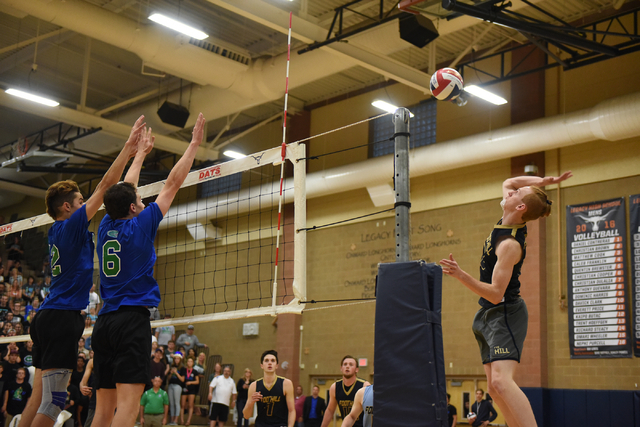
{"x": 410, "y": 385}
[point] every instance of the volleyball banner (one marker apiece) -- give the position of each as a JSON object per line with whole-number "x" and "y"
{"x": 634, "y": 236}
{"x": 596, "y": 286}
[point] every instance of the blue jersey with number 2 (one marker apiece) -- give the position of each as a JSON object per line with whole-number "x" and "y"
{"x": 126, "y": 255}
{"x": 71, "y": 260}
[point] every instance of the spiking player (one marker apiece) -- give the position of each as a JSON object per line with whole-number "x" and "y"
{"x": 500, "y": 326}
{"x": 273, "y": 394}
{"x": 58, "y": 325}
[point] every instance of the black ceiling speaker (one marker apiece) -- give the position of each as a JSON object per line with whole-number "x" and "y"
{"x": 417, "y": 30}
{"x": 173, "y": 114}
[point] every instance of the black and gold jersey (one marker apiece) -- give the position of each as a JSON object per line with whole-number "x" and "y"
{"x": 489, "y": 259}
{"x": 345, "y": 396}
{"x": 272, "y": 409}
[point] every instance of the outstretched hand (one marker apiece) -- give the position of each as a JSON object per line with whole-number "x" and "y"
{"x": 146, "y": 141}
{"x": 137, "y": 130}
{"x": 198, "y": 130}
{"x": 563, "y": 177}
{"x": 450, "y": 266}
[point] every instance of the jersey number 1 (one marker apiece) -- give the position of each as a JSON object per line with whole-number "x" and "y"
{"x": 55, "y": 256}
{"x": 110, "y": 258}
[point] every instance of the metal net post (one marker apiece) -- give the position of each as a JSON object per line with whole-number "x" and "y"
{"x": 401, "y": 183}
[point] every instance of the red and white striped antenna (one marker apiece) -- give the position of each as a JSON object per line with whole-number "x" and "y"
{"x": 284, "y": 153}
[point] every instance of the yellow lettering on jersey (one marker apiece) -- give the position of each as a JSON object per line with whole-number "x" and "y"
{"x": 369, "y": 410}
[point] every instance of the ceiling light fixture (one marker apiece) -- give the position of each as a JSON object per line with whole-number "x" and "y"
{"x": 485, "y": 94}
{"x": 234, "y": 154}
{"x": 385, "y": 106}
{"x": 178, "y": 26}
{"x": 32, "y": 97}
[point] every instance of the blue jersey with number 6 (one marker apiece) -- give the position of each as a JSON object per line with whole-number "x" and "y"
{"x": 71, "y": 260}
{"x": 126, "y": 255}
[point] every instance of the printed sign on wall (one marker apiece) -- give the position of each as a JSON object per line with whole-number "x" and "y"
{"x": 598, "y": 307}
{"x": 634, "y": 232}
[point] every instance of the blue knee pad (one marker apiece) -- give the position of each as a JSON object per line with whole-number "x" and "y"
{"x": 54, "y": 392}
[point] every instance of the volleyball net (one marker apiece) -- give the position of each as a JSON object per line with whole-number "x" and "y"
{"x": 217, "y": 247}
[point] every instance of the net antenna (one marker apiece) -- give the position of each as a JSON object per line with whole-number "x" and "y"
{"x": 284, "y": 152}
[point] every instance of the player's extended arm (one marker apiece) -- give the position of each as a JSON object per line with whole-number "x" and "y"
{"x": 508, "y": 253}
{"x": 356, "y": 409}
{"x": 291, "y": 402}
{"x": 247, "y": 412}
{"x": 331, "y": 407}
{"x": 525, "y": 181}
{"x": 115, "y": 171}
{"x": 181, "y": 169}
{"x": 84, "y": 389}
{"x": 145, "y": 145}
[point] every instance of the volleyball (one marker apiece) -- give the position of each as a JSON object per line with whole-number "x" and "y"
{"x": 446, "y": 84}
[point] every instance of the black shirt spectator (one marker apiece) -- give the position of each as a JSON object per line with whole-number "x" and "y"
{"x": 26, "y": 354}
{"x": 16, "y": 393}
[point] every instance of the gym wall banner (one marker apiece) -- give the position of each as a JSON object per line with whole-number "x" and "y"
{"x": 596, "y": 287}
{"x": 634, "y": 234}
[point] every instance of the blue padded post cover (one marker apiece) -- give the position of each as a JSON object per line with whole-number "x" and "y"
{"x": 410, "y": 384}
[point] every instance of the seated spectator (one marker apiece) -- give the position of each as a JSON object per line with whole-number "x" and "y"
{"x": 7, "y": 351}
{"x": 46, "y": 267}
{"x": 18, "y": 266}
{"x": 201, "y": 365}
{"x": 31, "y": 309}
{"x": 83, "y": 350}
{"x": 92, "y": 315}
{"x": 18, "y": 310}
{"x": 26, "y": 354}
{"x": 189, "y": 340}
{"x": 11, "y": 365}
{"x": 4, "y": 307}
{"x": 28, "y": 289}
{"x": 15, "y": 280}
{"x": 16, "y": 394}
{"x": 19, "y": 329}
{"x": 14, "y": 251}
{"x": 45, "y": 287}
{"x": 181, "y": 350}
{"x": 191, "y": 354}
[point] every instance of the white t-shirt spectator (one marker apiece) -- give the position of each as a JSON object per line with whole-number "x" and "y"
{"x": 165, "y": 334}
{"x": 223, "y": 388}
{"x": 94, "y": 300}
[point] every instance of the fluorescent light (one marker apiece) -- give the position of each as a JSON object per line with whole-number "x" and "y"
{"x": 178, "y": 26}
{"x": 385, "y": 106}
{"x": 32, "y": 97}
{"x": 485, "y": 94}
{"x": 234, "y": 154}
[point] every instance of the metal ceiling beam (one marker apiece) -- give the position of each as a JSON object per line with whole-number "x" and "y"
{"x": 278, "y": 19}
{"x": 19, "y": 188}
{"x": 85, "y": 120}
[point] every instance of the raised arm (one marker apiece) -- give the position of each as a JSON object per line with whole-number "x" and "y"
{"x": 356, "y": 409}
{"x": 512, "y": 184}
{"x": 145, "y": 145}
{"x": 181, "y": 169}
{"x": 115, "y": 171}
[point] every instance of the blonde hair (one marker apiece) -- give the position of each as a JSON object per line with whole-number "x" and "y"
{"x": 538, "y": 205}
{"x": 58, "y": 194}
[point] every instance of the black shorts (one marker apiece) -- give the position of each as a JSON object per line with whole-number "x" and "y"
{"x": 55, "y": 335}
{"x": 121, "y": 342}
{"x": 219, "y": 412}
{"x": 501, "y": 330}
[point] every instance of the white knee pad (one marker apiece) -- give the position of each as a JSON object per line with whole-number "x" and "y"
{"x": 54, "y": 392}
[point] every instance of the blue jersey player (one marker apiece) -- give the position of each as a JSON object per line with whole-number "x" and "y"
{"x": 58, "y": 325}
{"x": 122, "y": 335}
